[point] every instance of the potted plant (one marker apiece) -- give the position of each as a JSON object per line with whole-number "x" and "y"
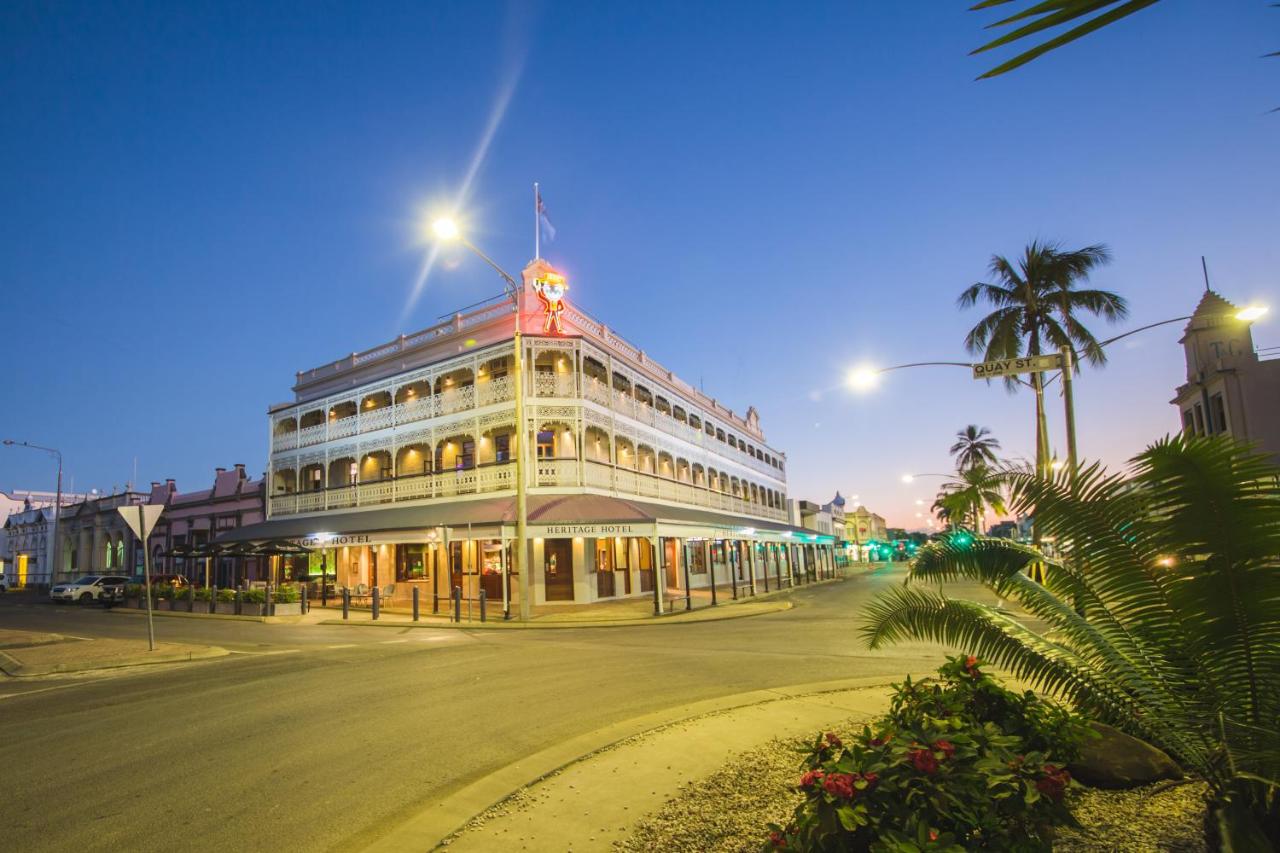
{"x": 286, "y": 600}
{"x": 226, "y": 603}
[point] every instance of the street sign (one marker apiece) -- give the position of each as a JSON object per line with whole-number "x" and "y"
{"x": 141, "y": 523}
{"x": 1014, "y": 366}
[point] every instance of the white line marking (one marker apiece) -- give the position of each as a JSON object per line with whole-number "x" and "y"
{"x": 344, "y": 646}
{"x": 392, "y": 642}
{"x": 279, "y": 652}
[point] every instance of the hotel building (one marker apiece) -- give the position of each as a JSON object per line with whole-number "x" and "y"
{"x": 396, "y": 466}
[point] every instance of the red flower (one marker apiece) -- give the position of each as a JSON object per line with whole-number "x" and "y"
{"x": 881, "y": 740}
{"x": 923, "y": 760}
{"x": 933, "y": 835}
{"x": 1053, "y": 784}
{"x": 813, "y": 777}
{"x": 971, "y": 666}
{"x": 872, "y": 779}
{"x": 777, "y": 839}
{"x": 833, "y": 740}
{"x": 945, "y": 747}
{"x": 839, "y": 785}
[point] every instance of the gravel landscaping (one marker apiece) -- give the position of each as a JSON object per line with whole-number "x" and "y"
{"x": 728, "y": 812}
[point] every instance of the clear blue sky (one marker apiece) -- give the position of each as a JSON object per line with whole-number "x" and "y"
{"x": 201, "y": 198}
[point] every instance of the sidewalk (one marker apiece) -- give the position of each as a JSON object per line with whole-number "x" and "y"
{"x": 625, "y": 613}
{"x": 587, "y": 793}
{"x": 46, "y": 654}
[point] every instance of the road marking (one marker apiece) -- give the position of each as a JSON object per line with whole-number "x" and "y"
{"x": 278, "y": 652}
{"x": 391, "y": 642}
{"x": 42, "y": 690}
{"x": 344, "y": 646}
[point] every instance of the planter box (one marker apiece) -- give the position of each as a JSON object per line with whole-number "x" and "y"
{"x": 293, "y": 608}
{"x": 227, "y": 607}
{"x": 134, "y": 602}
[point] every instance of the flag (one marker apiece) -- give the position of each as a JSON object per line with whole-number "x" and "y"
{"x": 547, "y": 230}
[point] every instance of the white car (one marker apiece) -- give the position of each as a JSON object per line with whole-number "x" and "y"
{"x": 85, "y": 589}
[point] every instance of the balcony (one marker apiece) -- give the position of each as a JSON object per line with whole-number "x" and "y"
{"x": 548, "y": 473}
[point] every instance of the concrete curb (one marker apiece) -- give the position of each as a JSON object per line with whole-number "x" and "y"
{"x": 270, "y": 620}
{"x": 17, "y": 669}
{"x": 434, "y": 824}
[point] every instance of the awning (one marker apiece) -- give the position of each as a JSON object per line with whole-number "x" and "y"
{"x": 543, "y": 509}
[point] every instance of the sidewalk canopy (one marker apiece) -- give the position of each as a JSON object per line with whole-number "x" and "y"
{"x": 543, "y": 509}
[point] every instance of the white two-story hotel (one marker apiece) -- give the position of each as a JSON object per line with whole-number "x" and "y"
{"x": 398, "y": 464}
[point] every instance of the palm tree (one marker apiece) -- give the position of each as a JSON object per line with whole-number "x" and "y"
{"x": 1036, "y": 305}
{"x": 963, "y": 501}
{"x": 974, "y": 446}
{"x": 1163, "y": 618}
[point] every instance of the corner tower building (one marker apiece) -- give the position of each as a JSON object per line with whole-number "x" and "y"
{"x": 398, "y": 465}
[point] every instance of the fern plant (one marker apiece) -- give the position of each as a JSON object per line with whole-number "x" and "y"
{"x": 1163, "y": 610}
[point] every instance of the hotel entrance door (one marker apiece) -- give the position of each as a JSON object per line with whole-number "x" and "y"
{"x": 557, "y": 569}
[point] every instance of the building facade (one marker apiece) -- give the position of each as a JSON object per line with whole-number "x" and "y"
{"x": 398, "y": 465}
{"x": 24, "y": 544}
{"x": 193, "y": 519}
{"x": 862, "y": 526}
{"x": 1229, "y": 390}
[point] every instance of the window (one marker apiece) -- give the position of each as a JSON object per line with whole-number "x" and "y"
{"x": 645, "y": 550}
{"x": 353, "y": 473}
{"x": 697, "y": 559}
{"x": 502, "y": 448}
{"x": 1188, "y": 423}
{"x": 604, "y": 555}
{"x": 622, "y": 553}
{"x": 1219, "y": 413}
{"x": 317, "y": 481}
{"x": 467, "y": 458}
{"x": 546, "y": 444}
{"x": 1199, "y": 420}
{"x": 411, "y": 562}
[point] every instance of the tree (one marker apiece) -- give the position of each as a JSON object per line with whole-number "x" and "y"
{"x": 1044, "y": 15}
{"x": 963, "y": 500}
{"x": 974, "y": 446}
{"x": 1036, "y": 306}
{"x": 1163, "y": 617}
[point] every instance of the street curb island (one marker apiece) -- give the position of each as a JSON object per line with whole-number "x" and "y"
{"x": 62, "y": 658}
{"x": 433, "y": 826}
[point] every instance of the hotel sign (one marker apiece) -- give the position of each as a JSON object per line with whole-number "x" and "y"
{"x": 334, "y": 541}
{"x": 555, "y": 531}
{"x": 1014, "y": 366}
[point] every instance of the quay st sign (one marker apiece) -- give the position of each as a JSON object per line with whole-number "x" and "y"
{"x": 1014, "y": 366}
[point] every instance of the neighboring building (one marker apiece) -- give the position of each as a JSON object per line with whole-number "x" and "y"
{"x": 862, "y": 526}
{"x": 1003, "y": 530}
{"x": 1229, "y": 389}
{"x": 194, "y": 518}
{"x": 397, "y": 463}
{"x": 29, "y": 537}
{"x": 96, "y": 539}
{"x": 19, "y": 501}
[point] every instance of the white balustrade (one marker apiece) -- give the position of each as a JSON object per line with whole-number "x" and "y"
{"x": 415, "y": 410}
{"x": 310, "y": 435}
{"x": 284, "y": 441}
{"x": 343, "y": 427}
{"x": 494, "y": 391}
{"x": 456, "y": 400}
{"x": 372, "y": 419}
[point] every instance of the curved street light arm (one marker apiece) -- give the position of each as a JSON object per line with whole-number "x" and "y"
{"x": 511, "y": 282}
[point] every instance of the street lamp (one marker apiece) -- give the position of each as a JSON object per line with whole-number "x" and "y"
{"x": 57, "y": 508}
{"x": 447, "y": 229}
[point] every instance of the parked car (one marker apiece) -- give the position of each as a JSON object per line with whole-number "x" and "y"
{"x": 85, "y": 589}
{"x": 112, "y": 593}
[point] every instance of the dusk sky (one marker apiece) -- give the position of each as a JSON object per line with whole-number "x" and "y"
{"x": 201, "y": 199}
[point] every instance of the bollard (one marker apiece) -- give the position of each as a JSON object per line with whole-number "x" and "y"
{"x": 239, "y": 602}
{"x": 191, "y": 599}
{"x": 482, "y": 600}
{"x": 213, "y": 599}
{"x": 457, "y": 604}
{"x": 376, "y": 598}
{"x": 435, "y": 601}
{"x": 268, "y": 606}
{"x": 304, "y": 605}
{"x": 346, "y": 603}
{"x": 415, "y": 604}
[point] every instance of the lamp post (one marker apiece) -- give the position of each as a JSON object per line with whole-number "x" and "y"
{"x": 447, "y": 229}
{"x": 57, "y": 508}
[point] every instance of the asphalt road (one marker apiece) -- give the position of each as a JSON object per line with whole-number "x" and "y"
{"x": 321, "y": 737}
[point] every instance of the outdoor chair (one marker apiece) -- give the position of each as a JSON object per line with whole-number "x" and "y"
{"x": 360, "y": 590}
{"x": 388, "y": 592}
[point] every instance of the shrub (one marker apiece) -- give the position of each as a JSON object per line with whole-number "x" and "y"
{"x": 939, "y": 773}
{"x": 285, "y": 594}
{"x": 1163, "y": 608}
{"x": 134, "y": 590}
{"x": 255, "y": 596}
{"x": 202, "y": 593}
{"x": 226, "y": 596}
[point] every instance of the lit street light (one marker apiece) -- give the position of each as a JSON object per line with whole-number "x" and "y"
{"x": 447, "y": 229}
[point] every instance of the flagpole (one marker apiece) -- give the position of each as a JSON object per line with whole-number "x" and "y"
{"x": 537, "y": 227}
